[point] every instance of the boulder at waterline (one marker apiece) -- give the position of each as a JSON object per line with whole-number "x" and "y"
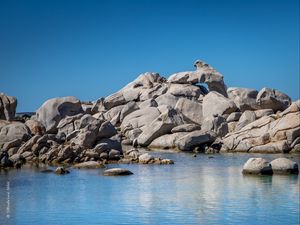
{"x": 284, "y": 166}
{"x": 61, "y": 171}
{"x": 257, "y": 166}
{"x": 117, "y": 172}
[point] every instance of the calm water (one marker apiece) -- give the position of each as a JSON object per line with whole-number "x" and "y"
{"x": 192, "y": 191}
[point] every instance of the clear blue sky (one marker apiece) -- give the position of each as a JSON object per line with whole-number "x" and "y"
{"x": 90, "y": 49}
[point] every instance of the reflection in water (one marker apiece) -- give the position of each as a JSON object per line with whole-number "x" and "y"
{"x": 193, "y": 191}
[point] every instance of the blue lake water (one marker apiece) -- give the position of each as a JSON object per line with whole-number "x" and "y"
{"x": 195, "y": 190}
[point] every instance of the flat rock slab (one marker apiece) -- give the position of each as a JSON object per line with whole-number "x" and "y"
{"x": 88, "y": 165}
{"x": 117, "y": 172}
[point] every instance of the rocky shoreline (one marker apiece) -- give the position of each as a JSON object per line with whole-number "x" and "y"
{"x": 153, "y": 112}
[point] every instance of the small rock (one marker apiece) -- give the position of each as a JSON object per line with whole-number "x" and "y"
{"x": 167, "y": 161}
{"x": 114, "y": 154}
{"x": 145, "y": 158}
{"x": 117, "y": 172}
{"x": 61, "y": 171}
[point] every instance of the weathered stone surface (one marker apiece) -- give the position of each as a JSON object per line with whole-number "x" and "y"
{"x": 257, "y": 166}
{"x": 160, "y": 126}
{"x": 263, "y": 112}
{"x": 244, "y": 98}
{"x": 167, "y": 141}
{"x": 167, "y": 99}
{"x": 145, "y": 158}
{"x": 88, "y": 165}
{"x": 154, "y": 92}
{"x": 194, "y": 139}
{"x": 192, "y": 110}
{"x": 284, "y": 166}
{"x": 12, "y": 131}
{"x": 106, "y": 130}
{"x": 187, "y": 77}
{"x": 184, "y": 90}
{"x": 135, "y": 89}
{"x": 214, "y": 103}
{"x": 55, "y": 109}
{"x": 186, "y": 128}
{"x": 246, "y": 118}
{"x": 268, "y": 98}
{"x": 70, "y": 123}
{"x": 204, "y": 74}
{"x": 148, "y": 103}
{"x": 235, "y": 116}
{"x": 139, "y": 118}
{"x": 35, "y": 127}
{"x": 8, "y": 105}
{"x": 269, "y": 134}
{"x": 216, "y": 124}
{"x": 117, "y": 172}
{"x": 127, "y": 109}
{"x": 114, "y": 114}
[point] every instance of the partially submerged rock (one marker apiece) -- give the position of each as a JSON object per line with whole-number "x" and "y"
{"x": 257, "y": 166}
{"x": 117, "y": 172}
{"x": 61, "y": 171}
{"x": 284, "y": 166}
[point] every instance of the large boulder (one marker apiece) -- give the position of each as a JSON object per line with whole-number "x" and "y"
{"x": 55, "y": 109}
{"x": 8, "y": 105}
{"x": 160, "y": 126}
{"x": 147, "y": 85}
{"x": 246, "y": 118}
{"x": 69, "y": 124}
{"x": 194, "y": 139}
{"x": 284, "y": 166}
{"x": 139, "y": 118}
{"x": 204, "y": 74}
{"x": 167, "y": 99}
{"x": 35, "y": 127}
{"x": 268, "y": 98}
{"x": 12, "y": 131}
{"x": 257, "y": 166}
{"x": 167, "y": 141}
{"x": 216, "y": 124}
{"x": 215, "y": 103}
{"x": 192, "y": 110}
{"x": 244, "y": 98}
{"x": 185, "y": 90}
